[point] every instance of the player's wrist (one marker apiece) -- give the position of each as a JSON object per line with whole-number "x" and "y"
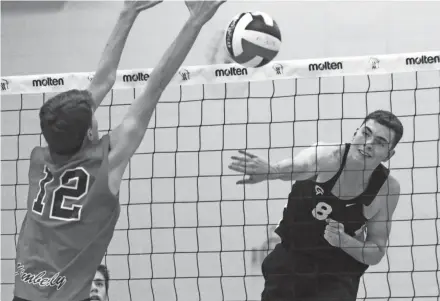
{"x": 347, "y": 241}
{"x": 196, "y": 21}
{"x": 128, "y": 14}
{"x": 274, "y": 172}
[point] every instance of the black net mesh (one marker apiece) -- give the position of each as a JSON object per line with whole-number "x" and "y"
{"x": 187, "y": 232}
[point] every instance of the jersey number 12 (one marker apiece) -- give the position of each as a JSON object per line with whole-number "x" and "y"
{"x": 65, "y": 191}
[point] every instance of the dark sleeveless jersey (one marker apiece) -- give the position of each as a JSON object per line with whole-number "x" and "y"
{"x": 70, "y": 220}
{"x": 311, "y": 203}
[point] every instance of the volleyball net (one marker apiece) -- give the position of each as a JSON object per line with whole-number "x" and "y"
{"x": 186, "y": 231}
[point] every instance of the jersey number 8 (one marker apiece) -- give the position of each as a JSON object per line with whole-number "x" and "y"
{"x": 73, "y": 185}
{"x": 321, "y": 211}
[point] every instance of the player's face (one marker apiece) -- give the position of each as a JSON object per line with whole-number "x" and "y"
{"x": 98, "y": 291}
{"x": 372, "y": 143}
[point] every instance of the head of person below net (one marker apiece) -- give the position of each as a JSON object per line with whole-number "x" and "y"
{"x": 372, "y": 143}
{"x": 100, "y": 284}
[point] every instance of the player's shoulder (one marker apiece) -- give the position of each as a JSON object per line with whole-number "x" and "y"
{"x": 328, "y": 154}
{"x": 391, "y": 186}
{"x": 97, "y": 147}
{"x": 39, "y": 153}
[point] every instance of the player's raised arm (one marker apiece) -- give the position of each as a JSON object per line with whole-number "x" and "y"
{"x": 304, "y": 165}
{"x": 126, "y": 138}
{"x": 105, "y": 75}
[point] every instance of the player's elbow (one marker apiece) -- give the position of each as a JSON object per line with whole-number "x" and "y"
{"x": 134, "y": 128}
{"x": 375, "y": 256}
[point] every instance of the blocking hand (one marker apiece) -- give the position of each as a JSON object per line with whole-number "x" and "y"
{"x": 203, "y": 11}
{"x": 139, "y": 6}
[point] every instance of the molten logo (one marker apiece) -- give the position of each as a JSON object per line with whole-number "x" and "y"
{"x": 48, "y": 82}
{"x": 326, "y": 66}
{"x": 233, "y": 71}
{"x": 422, "y": 60}
{"x": 139, "y": 77}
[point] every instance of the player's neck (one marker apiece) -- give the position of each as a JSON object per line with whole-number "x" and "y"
{"x": 357, "y": 170}
{"x": 59, "y": 159}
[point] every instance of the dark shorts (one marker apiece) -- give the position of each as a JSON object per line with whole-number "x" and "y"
{"x": 20, "y": 299}
{"x": 290, "y": 277}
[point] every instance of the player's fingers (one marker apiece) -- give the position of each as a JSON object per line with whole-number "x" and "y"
{"x": 241, "y": 159}
{"x": 236, "y": 167}
{"x": 246, "y": 153}
{"x": 245, "y": 181}
{"x": 247, "y": 166}
{"x": 331, "y": 229}
{"x": 334, "y": 223}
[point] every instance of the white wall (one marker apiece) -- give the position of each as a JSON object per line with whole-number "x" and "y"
{"x": 199, "y": 183}
{"x": 71, "y": 39}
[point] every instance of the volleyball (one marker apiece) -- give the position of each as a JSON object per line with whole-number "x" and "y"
{"x": 253, "y": 39}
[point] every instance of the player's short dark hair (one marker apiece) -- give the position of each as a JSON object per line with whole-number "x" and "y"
{"x": 106, "y": 273}
{"x": 65, "y": 119}
{"x": 389, "y": 120}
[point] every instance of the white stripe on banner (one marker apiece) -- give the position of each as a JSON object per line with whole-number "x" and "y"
{"x": 234, "y": 73}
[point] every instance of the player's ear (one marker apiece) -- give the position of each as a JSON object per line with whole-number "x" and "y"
{"x": 390, "y": 155}
{"x": 90, "y": 134}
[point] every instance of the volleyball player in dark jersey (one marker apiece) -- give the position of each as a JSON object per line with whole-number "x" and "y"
{"x": 338, "y": 217}
{"x": 72, "y": 205}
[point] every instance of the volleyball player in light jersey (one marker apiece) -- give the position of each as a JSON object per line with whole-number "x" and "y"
{"x": 72, "y": 205}
{"x": 341, "y": 193}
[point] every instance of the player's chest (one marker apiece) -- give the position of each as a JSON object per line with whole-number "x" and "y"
{"x": 315, "y": 203}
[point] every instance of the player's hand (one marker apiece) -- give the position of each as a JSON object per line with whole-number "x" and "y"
{"x": 202, "y": 11}
{"x": 138, "y": 6}
{"x": 255, "y": 167}
{"x": 335, "y": 233}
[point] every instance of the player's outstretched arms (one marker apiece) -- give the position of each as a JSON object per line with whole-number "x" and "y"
{"x": 126, "y": 138}
{"x": 304, "y": 165}
{"x": 105, "y": 76}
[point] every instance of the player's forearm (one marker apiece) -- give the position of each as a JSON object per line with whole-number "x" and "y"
{"x": 366, "y": 252}
{"x": 105, "y": 75}
{"x": 281, "y": 170}
{"x": 289, "y": 170}
{"x": 174, "y": 56}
